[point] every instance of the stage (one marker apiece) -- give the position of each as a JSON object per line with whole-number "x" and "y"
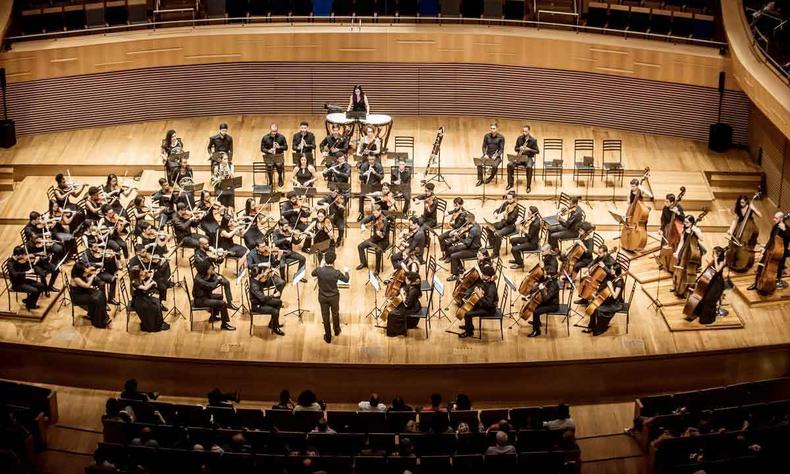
{"x": 577, "y": 367}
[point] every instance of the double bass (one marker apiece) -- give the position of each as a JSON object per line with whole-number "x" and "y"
{"x": 700, "y": 290}
{"x": 689, "y": 258}
{"x": 469, "y": 303}
{"x": 765, "y": 280}
{"x": 740, "y": 250}
{"x": 633, "y": 236}
{"x": 671, "y": 236}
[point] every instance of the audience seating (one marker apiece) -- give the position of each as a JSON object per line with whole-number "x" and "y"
{"x": 26, "y": 411}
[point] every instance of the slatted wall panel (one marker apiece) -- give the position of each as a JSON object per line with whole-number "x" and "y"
{"x": 398, "y": 89}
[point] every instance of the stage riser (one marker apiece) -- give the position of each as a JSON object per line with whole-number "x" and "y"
{"x": 588, "y": 381}
{"x": 398, "y": 89}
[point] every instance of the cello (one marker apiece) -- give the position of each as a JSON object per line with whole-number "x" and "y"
{"x": 396, "y": 282}
{"x": 390, "y": 305}
{"x": 597, "y": 301}
{"x": 634, "y": 233}
{"x": 534, "y": 299}
{"x": 765, "y": 280}
{"x": 700, "y": 290}
{"x": 464, "y": 283}
{"x": 590, "y": 283}
{"x": 469, "y": 303}
{"x": 529, "y": 281}
{"x": 671, "y": 235}
{"x": 740, "y": 250}
{"x": 689, "y": 257}
{"x": 574, "y": 254}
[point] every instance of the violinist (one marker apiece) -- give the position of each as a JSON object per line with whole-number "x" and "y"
{"x": 588, "y": 258}
{"x": 457, "y": 220}
{"x": 116, "y": 224}
{"x": 781, "y": 231}
{"x": 336, "y": 202}
{"x": 506, "y": 225}
{"x": 113, "y": 192}
{"x": 670, "y": 214}
{"x": 139, "y": 212}
{"x": 403, "y": 317}
{"x": 229, "y": 229}
{"x": 428, "y": 198}
{"x": 203, "y": 286}
{"x": 171, "y": 146}
{"x": 378, "y": 240}
{"x": 401, "y": 176}
{"x": 567, "y": 228}
{"x": 690, "y": 244}
{"x": 486, "y": 305}
{"x": 65, "y": 189}
{"x": 284, "y": 238}
{"x": 262, "y": 256}
{"x": 212, "y": 214}
{"x": 221, "y": 143}
{"x": 24, "y": 279}
{"x": 304, "y": 175}
{"x": 493, "y": 148}
{"x": 183, "y": 170}
{"x": 303, "y": 141}
{"x": 105, "y": 263}
{"x": 412, "y": 244}
{"x": 528, "y": 238}
{"x": 303, "y": 225}
{"x": 466, "y": 244}
{"x": 605, "y": 260}
{"x": 94, "y": 204}
{"x": 370, "y": 145}
{"x": 291, "y": 209}
{"x": 150, "y": 260}
{"x": 526, "y": 149}
{"x": 370, "y": 174}
{"x": 339, "y": 172}
{"x": 165, "y": 199}
{"x": 255, "y": 230}
{"x": 37, "y": 227}
{"x": 600, "y": 318}
{"x": 46, "y": 262}
{"x": 383, "y": 198}
{"x": 85, "y": 294}
{"x": 323, "y": 231}
{"x": 60, "y": 223}
{"x": 707, "y": 309}
{"x": 334, "y": 145}
{"x": 183, "y": 223}
{"x": 223, "y": 171}
{"x": 155, "y": 241}
{"x": 263, "y": 303}
{"x": 274, "y": 143}
{"x": 147, "y": 307}
{"x": 205, "y": 252}
{"x": 550, "y": 298}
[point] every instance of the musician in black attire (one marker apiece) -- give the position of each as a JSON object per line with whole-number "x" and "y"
{"x": 274, "y": 143}
{"x": 65, "y": 190}
{"x": 487, "y": 305}
{"x": 116, "y": 224}
{"x": 370, "y": 173}
{"x": 263, "y": 303}
{"x": 171, "y": 146}
{"x": 599, "y": 320}
{"x": 303, "y": 140}
{"x": 528, "y": 238}
{"x": 567, "y": 228}
{"x": 183, "y": 170}
{"x": 708, "y": 306}
{"x": 284, "y": 239}
{"x": 505, "y": 226}
{"x": 46, "y": 263}
{"x": 166, "y": 200}
{"x": 221, "y": 142}
{"x": 148, "y": 260}
{"x": 526, "y": 148}
{"x": 671, "y": 211}
{"x": 379, "y": 238}
{"x": 416, "y": 243}
{"x": 36, "y": 227}
{"x": 550, "y": 302}
{"x": 328, "y": 294}
{"x": 780, "y": 230}
{"x": 586, "y": 237}
{"x": 428, "y": 217}
{"x": 402, "y": 318}
{"x": 85, "y": 294}
{"x": 401, "y": 176}
{"x": 606, "y": 260}
{"x": 183, "y": 223}
{"x": 206, "y": 281}
{"x": 459, "y": 219}
{"x": 145, "y": 304}
{"x": 104, "y": 260}
{"x": 340, "y": 172}
{"x": 336, "y": 201}
{"x": 24, "y": 279}
{"x": 262, "y": 257}
{"x": 334, "y": 145}
{"x": 493, "y": 148}
{"x": 358, "y": 102}
{"x": 466, "y": 247}
{"x": 290, "y": 209}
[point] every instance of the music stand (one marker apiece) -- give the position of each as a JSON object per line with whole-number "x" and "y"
{"x": 296, "y": 156}
{"x": 318, "y": 248}
{"x": 229, "y": 186}
{"x": 190, "y": 190}
{"x": 375, "y": 313}
{"x": 338, "y": 186}
{"x": 272, "y": 162}
{"x": 399, "y": 189}
{"x": 485, "y": 163}
{"x": 438, "y": 287}
{"x": 309, "y": 193}
{"x": 295, "y": 282}
{"x": 510, "y": 313}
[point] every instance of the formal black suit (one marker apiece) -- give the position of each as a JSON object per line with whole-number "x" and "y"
{"x": 466, "y": 248}
{"x": 502, "y": 228}
{"x": 405, "y": 180}
{"x": 487, "y": 305}
{"x": 280, "y": 145}
{"x": 550, "y": 302}
{"x": 329, "y": 296}
{"x": 379, "y": 240}
{"x": 527, "y": 161}
{"x": 309, "y": 142}
{"x": 416, "y": 247}
{"x": 566, "y": 229}
{"x": 265, "y": 304}
{"x": 525, "y": 243}
{"x": 203, "y": 294}
{"x": 20, "y": 282}
{"x": 217, "y": 143}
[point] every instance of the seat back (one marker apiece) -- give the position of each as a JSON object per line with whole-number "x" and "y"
{"x": 583, "y": 147}
{"x": 450, "y": 8}
{"x": 441, "y": 209}
{"x": 612, "y": 151}
{"x": 552, "y": 150}
{"x": 429, "y": 8}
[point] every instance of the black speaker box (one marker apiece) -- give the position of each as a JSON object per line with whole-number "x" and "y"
{"x": 7, "y": 133}
{"x": 720, "y": 137}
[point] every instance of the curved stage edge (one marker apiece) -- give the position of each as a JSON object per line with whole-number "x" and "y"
{"x": 574, "y": 381}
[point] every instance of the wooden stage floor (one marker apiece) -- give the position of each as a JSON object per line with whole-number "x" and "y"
{"x": 92, "y": 153}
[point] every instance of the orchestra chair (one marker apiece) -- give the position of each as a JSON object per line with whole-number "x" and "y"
{"x": 403, "y": 144}
{"x": 640, "y": 19}
{"x": 67, "y": 299}
{"x": 518, "y": 170}
{"x": 429, "y": 8}
{"x": 468, "y": 463}
{"x": 566, "y": 297}
{"x": 95, "y": 15}
{"x": 425, "y": 311}
{"x": 552, "y": 167}
{"x": 497, "y": 315}
{"x": 598, "y": 241}
{"x": 626, "y": 309}
{"x": 431, "y": 266}
{"x": 494, "y": 9}
{"x": 126, "y": 301}
{"x": 216, "y": 9}
{"x": 660, "y": 21}
{"x": 515, "y": 10}
{"x": 441, "y": 210}
{"x": 619, "y": 16}
{"x": 521, "y": 212}
{"x": 498, "y": 267}
{"x": 8, "y": 288}
{"x": 583, "y": 159}
{"x": 597, "y": 15}
{"x": 449, "y": 9}
{"x": 193, "y": 307}
{"x": 612, "y": 160}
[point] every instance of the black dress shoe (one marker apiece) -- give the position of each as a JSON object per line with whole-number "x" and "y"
{"x": 490, "y": 178}
{"x": 278, "y": 331}
{"x": 31, "y": 308}
{"x": 338, "y": 331}
{"x": 586, "y": 330}
{"x": 213, "y": 319}
{"x": 516, "y": 266}
{"x": 512, "y": 261}
{"x": 752, "y": 287}
{"x": 452, "y": 278}
{"x": 280, "y": 183}
{"x": 359, "y": 218}
{"x": 534, "y": 333}
{"x": 581, "y": 301}
{"x": 508, "y": 187}
{"x": 163, "y": 307}
{"x": 479, "y": 182}
{"x": 227, "y": 327}
{"x": 327, "y": 338}
{"x": 529, "y": 190}
{"x": 232, "y": 307}
{"x": 360, "y": 266}
{"x": 53, "y": 289}
{"x": 464, "y": 335}
{"x": 164, "y": 327}
{"x": 462, "y": 327}
{"x": 113, "y": 301}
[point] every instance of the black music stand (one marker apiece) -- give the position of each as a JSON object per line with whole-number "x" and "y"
{"x": 338, "y": 186}
{"x": 228, "y": 187}
{"x": 438, "y": 176}
{"x": 318, "y": 248}
{"x": 376, "y": 312}
{"x": 485, "y": 163}
{"x": 309, "y": 192}
{"x": 296, "y": 156}
{"x": 190, "y": 189}
{"x": 356, "y": 115}
{"x": 295, "y": 282}
{"x": 272, "y": 162}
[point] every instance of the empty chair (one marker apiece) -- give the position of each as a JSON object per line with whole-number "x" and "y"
{"x": 450, "y": 8}
{"x": 597, "y": 14}
{"x": 682, "y": 24}
{"x": 501, "y": 464}
{"x": 702, "y": 27}
{"x": 429, "y": 8}
{"x": 640, "y": 19}
{"x": 468, "y": 463}
{"x": 618, "y": 16}
{"x": 493, "y": 9}
{"x": 437, "y": 421}
{"x": 466, "y": 416}
{"x": 660, "y": 21}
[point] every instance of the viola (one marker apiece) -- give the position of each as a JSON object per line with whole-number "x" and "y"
{"x": 469, "y": 303}
{"x": 671, "y": 235}
{"x": 469, "y": 278}
{"x": 633, "y": 236}
{"x": 689, "y": 258}
{"x": 740, "y": 250}
{"x": 529, "y": 281}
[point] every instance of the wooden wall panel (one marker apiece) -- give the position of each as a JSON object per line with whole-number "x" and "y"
{"x": 398, "y": 89}
{"x": 768, "y": 143}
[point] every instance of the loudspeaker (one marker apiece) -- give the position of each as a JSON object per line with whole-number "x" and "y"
{"x": 7, "y": 133}
{"x": 720, "y": 137}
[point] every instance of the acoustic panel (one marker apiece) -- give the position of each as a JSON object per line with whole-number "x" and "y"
{"x": 494, "y": 91}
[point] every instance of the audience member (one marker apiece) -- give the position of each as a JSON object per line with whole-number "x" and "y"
{"x": 399, "y": 405}
{"x": 323, "y": 427}
{"x": 307, "y": 401}
{"x": 130, "y": 392}
{"x": 285, "y": 402}
{"x": 502, "y": 446}
{"x": 462, "y": 402}
{"x": 373, "y": 404}
{"x": 216, "y": 398}
{"x": 563, "y": 420}
{"x": 435, "y": 404}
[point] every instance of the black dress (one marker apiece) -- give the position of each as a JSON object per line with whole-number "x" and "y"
{"x": 94, "y": 301}
{"x": 303, "y": 175}
{"x": 706, "y": 309}
{"x": 402, "y": 318}
{"x": 231, "y": 247}
{"x": 148, "y": 309}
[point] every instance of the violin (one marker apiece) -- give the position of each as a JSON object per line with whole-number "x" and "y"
{"x": 688, "y": 257}
{"x": 469, "y": 278}
{"x": 469, "y": 303}
{"x": 532, "y": 278}
{"x": 671, "y": 234}
{"x": 740, "y": 250}
{"x": 634, "y": 233}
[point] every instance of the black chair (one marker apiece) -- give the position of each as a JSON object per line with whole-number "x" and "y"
{"x": 126, "y": 300}
{"x": 449, "y": 9}
{"x": 618, "y": 16}
{"x": 682, "y": 23}
{"x": 95, "y": 15}
{"x": 526, "y": 417}
{"x": 612, "y": 160}
{"x": 336, "y": 443}
{"x": 489, "y": 416}
{"x": 342, "y": 421}
{"x": 370, "y": 464}
{"x": 552, "y": 147}
{"x": 468, "y": 463}
{"x": 137, "y": 11}
{"x": 260, "y": 174}
{"x": 498, "y": 315}
{"x": 597, "y": 14}
{"x": 426, "y": 444}
{"x": 493, "y": 9}
{"x": 640, "y": 19}
{"x": 8, "y": 288}
{"x": 583, "y": 158}
{"x": 371, "y": 422}
{"x": 626, "y": 309}
{"x": 515, "y": 10}
{"x": 401, "y": 463}
{"x": 566, "y": 297}
{"x": 436, "y": 464}
{"x": 660, "y": 21}
{"x": 470, "y": 417}
{"x": 192, "y": 306}
{"x": 397, "y": 420}
{"x": 501, "y": 464}
{"x": 404, "y": 148}
{"x": 438, "y": 421}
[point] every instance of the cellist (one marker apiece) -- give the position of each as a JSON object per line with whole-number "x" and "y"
{"x": 780, "y": 230}
{"x": 485, "y": 305}
{"x": 707, "y": 307}
{"x": 689, "y": 249}
{"x": 603, "y": 258}
{"x": 599, "y": 320}
{"x": 550, "y": 298}
{"x": 586, "y": 240}
{"x": 401, "y": 318}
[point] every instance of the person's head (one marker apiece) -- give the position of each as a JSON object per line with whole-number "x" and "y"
{"x": 170, "y": 135}
{"x": 458, "y": 202}
{"x": 203, "y": 242}
{"x": 563, "y": 411}
{"x": 60, "y": 179}
{"x": 602, "y": 250}
{"x": 358, "y": 91}
{"x": 617, "y": 270}
{"x": 429, "y": 187}
{"x": 374, "y": 399}
{"x": 322, "y": 426}
{"x": 688, "y": 221}
{"x": 779, "y": 217}
{"x": 108, "y": 211}
{"x": 493, "y": 127}
{"x": 398, "y": 404}
{"x": 163, "y": 184}
{"x": 503, "y": 425}
{"x": 414, "y": 222}
{"x": 587, "y": 228}
{"x": 335, "y": 130}
{"x": 303, "y": 126}
{"x": 377, "y": 210}
{"x": 385, "y": 188}
{"x": 634, "y": 184}
{"x": 463, "y": 427}
{"x": 501, "y": 438}
{"x": 205, "y": 195}
{"x": 93, "y": 191}
{"x": 285, "y": 226}
{"x": 463, "y": 402}
{"x": 262, "y": 246}
{"x": 470, "y": 218}
{"x": 341, "y": 159}
{"x": 320, "y": 215}
{"x": 285, "y": 397}
{"x": 670, "y": 200}
{"x": 223, "y": 129}
{"x": 238, "y": 440}
{"x": 436, "y": 400}
{"x": 413, "y": 278}
{"x": 401, "y": 165}
{"x": 112, "y": 180}
{"x": 370, "y": 132}
{"x": 223, "y": 158}
{"x": 306, "y": 398}
{"x": 293, "y": 197}
{"x": 488, "y": 273}
{"x": 198, "y": 447}
{"x": 303, "y": 161}
{"x": 329, "y": 258}
{"x": 130, "y": 386}
{"x": 410, "y": 427}
{"x": 525, "y": 130}
{"x": 183, "y": 161}
{"x": 532, "y": 211}
{"x": 574, "y": 201}
{"x": 204, "y": 267}
{"x": 273, "y": 129}
{"x": 34, "y": 217}
{"x": 510, "y": 196}
{"x": 743, "y": 200}
{"x": 718, "y": 253}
